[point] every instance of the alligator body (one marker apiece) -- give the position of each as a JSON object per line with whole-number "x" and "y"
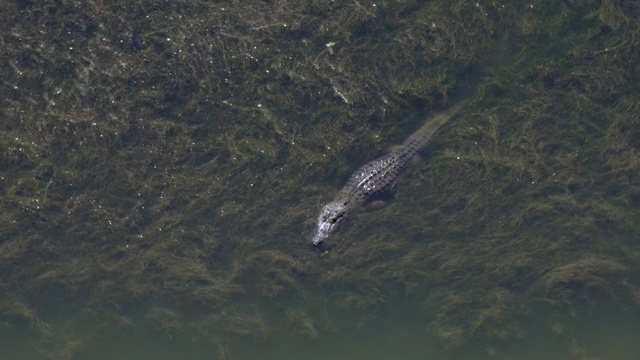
{"x": 374, "y": 177}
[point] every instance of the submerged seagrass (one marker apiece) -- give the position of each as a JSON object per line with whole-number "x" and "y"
{"x": 374, "y": 177}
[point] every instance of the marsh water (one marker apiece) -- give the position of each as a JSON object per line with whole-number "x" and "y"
{"x": 162, "y": 164}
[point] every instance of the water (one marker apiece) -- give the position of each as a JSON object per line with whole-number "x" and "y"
{"x": 162, "y": 166}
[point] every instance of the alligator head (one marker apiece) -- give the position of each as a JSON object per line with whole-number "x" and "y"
{"x": 329, "y": 220}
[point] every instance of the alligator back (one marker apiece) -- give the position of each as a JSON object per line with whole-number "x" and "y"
{"x": 375, "y": 176}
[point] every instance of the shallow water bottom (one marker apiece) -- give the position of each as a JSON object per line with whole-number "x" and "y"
{"x": 606, "y": 333}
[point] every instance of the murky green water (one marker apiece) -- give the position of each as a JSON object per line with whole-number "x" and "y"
{"x": 162, "y": 165}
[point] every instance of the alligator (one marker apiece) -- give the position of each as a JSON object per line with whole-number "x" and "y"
{"x": 375, "y": 177}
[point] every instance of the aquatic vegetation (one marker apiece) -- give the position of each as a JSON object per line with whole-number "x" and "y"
{"x": 161, "y": 165}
